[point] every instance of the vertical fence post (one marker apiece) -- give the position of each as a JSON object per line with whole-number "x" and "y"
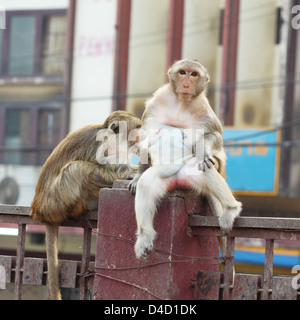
{"x": 268, "y": 271}
{"x": 20, "y": 261}
{"x": 86, "y": 250}
{"x": 229, "y": 269}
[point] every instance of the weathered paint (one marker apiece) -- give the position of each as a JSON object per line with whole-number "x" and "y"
{"x": 170, "y": 268}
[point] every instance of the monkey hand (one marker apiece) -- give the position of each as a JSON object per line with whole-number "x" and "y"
{"x": 132, "y": 187}
{"x": 206, "y": 162}
{"x": 130, "y": 176}
{"x": 133, "y": 184}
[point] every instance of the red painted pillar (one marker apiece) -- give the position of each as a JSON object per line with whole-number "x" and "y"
{"x": 170, "y": 269}
{"x": 229, "y": 63}
{"x": 175, "y": 31}
{"x": 289, "y": 105}
{"x": 121, "y": 54}
{"x": 68, "y": 72}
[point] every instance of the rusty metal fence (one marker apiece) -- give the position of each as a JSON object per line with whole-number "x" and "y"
{"x": 208, "y": 285}
{"x": 25, "y": 270}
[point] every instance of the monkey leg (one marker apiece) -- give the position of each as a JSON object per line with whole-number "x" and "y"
{"x": 197, "y": 178}
{"x": 52, "y": 261}
{"x": 74, "y": 187}
{"x": 220, "y": 189}
{"x": 211, "y": 182}
{"x": 217, "y": 210}
{"x": 150, "y": 189}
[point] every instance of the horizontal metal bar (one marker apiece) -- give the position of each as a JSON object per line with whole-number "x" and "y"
{"x": 17, "y": 210}
{"x": 249, "y": 222}
{"x": 19, "y": 214}
{"x": 248, "y": 233}
{"x": 88, "y": 221}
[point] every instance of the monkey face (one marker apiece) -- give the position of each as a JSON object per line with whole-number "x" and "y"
{"x": 122, "y": 123}
{"x": 187, "y": 82}
{"x": 188, "y": 78}
{"x": 118, "y": 138}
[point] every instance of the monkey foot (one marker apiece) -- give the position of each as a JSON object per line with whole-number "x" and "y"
{"x": 226, "y": 221}
{"x": 143, "y": 246}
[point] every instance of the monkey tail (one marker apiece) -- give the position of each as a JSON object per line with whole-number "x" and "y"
{"x": 52, "y": 261}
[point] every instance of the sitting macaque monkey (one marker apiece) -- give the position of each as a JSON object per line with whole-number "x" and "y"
{"x": 179, "y": 112}
{"x": 88, "y": 159}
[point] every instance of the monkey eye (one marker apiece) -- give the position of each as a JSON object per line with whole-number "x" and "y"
{"x": 114, "y": 126}
{"x": 116, "y": 130}
{"x": 182, "y": 72}
{"x": 194, "y": 74}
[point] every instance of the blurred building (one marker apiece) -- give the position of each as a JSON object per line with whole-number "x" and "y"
{"x": 68, "y": 63}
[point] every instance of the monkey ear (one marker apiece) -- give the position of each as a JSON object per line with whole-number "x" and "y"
{"x": 169, "y": 72}
{"x": 207, "y": 78}
{"x": 114, "y": 126}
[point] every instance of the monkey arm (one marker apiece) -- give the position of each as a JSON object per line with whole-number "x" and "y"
{"x": 144, "y": 157}
{"x": 124, "y": 171}
{"x": 141, "y": 169}
{"x": 214, "y": 148}
{"x": 213, "y": 145}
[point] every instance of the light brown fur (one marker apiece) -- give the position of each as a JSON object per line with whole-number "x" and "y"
{"x": 71, "y": 178}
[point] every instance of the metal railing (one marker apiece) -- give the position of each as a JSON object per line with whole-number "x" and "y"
{"x": 209, "y": 285}
{"x": 267, "y": 286}
{"x": 24, "y": 270}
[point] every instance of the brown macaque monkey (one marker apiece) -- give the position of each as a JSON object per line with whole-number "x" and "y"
{"x": 85, "y": 161}
{"x": 182, "y": 147}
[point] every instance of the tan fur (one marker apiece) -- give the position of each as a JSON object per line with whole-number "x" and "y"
{"x": 71, "y": 178}
{"x": 52, "y": 261}
{"x": 183, "y": 104}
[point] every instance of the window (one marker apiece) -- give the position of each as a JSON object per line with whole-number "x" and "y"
{"x": 21, "y": 45}
{"x": 53, "y": 45}
{"x": 17, "y": 134}
{"x": 29, "y": 135}
{"x": 33, "y": 43}
{"x": 48, "y": 132}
